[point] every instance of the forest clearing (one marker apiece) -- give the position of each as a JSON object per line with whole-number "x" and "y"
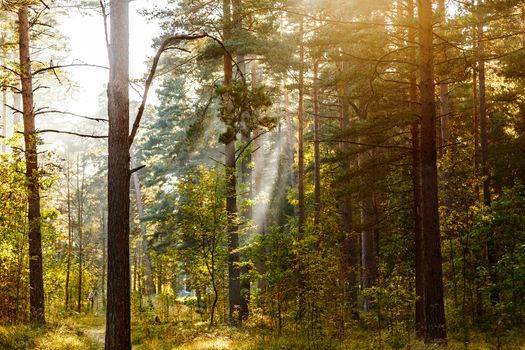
{"x": 260, "y": 174}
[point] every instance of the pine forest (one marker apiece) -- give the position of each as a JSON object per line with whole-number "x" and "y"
{"x": 260, "y": 174}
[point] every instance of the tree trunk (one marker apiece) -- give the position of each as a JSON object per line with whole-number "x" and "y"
{"x": 234, "y": 283}
{"x": 245, "y": 170}
{"x": 416, "y": 189}
{"x": 434, "y": 307}
{"x": 69, "y": 234}
{"x": 444, "y": 101}
{"x": 36, "y": 281}
{"x": 104, "y": 257}
{"x": 80, "y": 223}
{"x": 118, "y": 335}
{"x": 4, "y": 97}
{"x": 317, "y": 138}
{"x": 491, "y": 250}
{"x": 300, "y": 173}
{"x": 290, "y": 140}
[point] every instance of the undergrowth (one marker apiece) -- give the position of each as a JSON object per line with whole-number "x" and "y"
{"x": 87, "y": 333}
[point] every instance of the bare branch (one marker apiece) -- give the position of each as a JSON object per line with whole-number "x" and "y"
{"x": 54, "y": 111}
{"x": 10, "y": 70}
{"x": 42, "y": 70}
{"x": 134, "y": 170}
{"x": 73, "y": 133}
{"x": 14, "y": 109}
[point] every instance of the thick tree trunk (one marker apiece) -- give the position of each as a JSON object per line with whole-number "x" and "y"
{"x": 146, "y": 257}
{"x": 36, "y": 281}
{"x": 434, "y": 306}
{"x": 416, "y": 190}
{"x": 118, "y": 335}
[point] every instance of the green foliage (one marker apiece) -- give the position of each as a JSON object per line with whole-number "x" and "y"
{"x": 392, "y": 300}
{"x": 243, "y": 109}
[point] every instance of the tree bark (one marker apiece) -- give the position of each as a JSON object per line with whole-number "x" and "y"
{"x": 245, "y": 170}
{"x": 69, "y": 235}
{"x": 416, "y": 190}
{"x": 484, "y": 143}
{"x": 80, "y": 223}
{"x": 4, "y": 97}
{"x": 234, "y": 282}
{"x": 434, "y": 306}
{"x": 36, "y": 281}
{"x": 300, "y": 173}
{"x": 104, "y": 257}
{"x": 444, "y": 100}
{"x": 118, "y": 335}
{"x": 317, "y": 138}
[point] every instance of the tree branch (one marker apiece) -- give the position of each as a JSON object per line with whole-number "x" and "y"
{"x": 241, "y": 151}
{"x": 134, "y": 170}
{"x": 371, "y": 145}
{"x": 43, "y": 111}
{"x": 42, "y": 70}
{"x": 73, "y": 133}
{"x": 165, "y": 44}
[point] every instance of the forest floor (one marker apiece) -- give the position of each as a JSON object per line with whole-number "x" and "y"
{"x": 87, "y": 333}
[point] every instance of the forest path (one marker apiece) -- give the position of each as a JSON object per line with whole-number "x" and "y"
{"x": 96, "y": 335}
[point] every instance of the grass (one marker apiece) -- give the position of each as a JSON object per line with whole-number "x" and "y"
{"x": 87, "y": 333}
{"x": 66, "y": 334}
